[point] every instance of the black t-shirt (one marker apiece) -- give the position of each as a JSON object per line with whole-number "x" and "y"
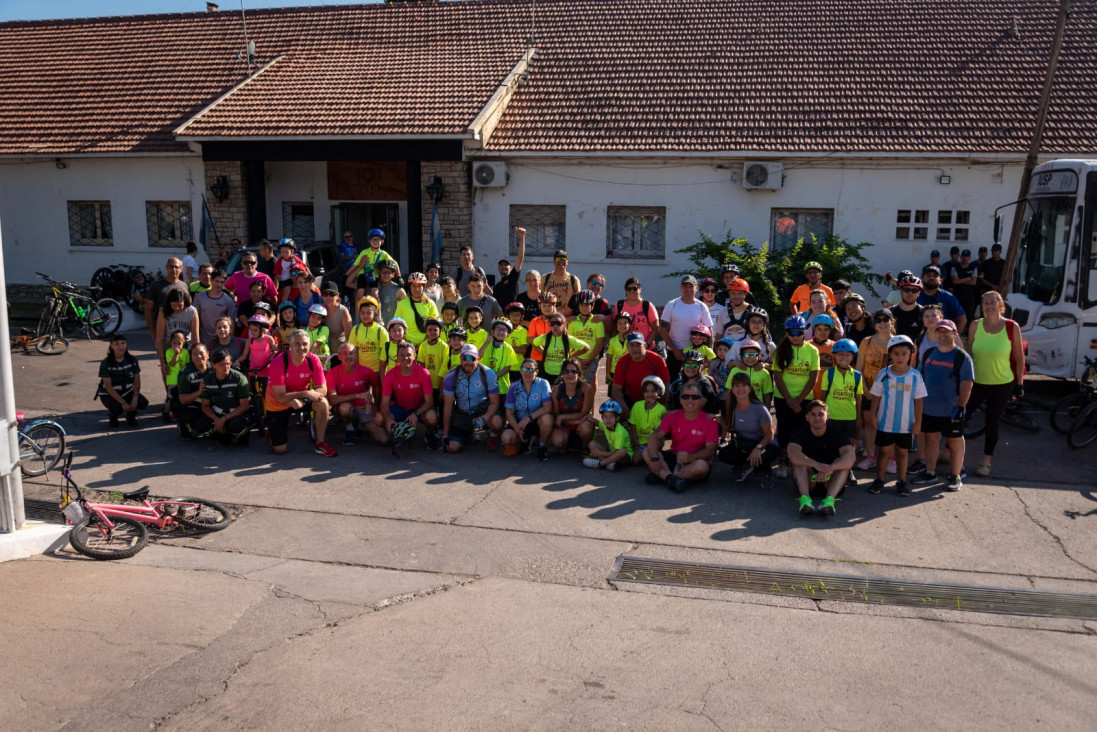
{"x": 992, "y": 271}
{"x": 963, "y": 272}
{"x": 908, "y": 322}
{"x": 533, "y": 308}
{"x": 506, "y": 288}
{"x": 946, "y": 274}
{"x": 266, "y": 266}
{"x": 248, "y": 310}
{"x": 857, "y": 334}
{"x": 824, "y": 449}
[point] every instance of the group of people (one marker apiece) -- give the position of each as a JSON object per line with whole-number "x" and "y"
{"x": 562, "y": 367}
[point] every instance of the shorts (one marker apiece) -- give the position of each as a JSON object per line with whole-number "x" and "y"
{"x": 399, "y": 413}
{"x": 365, "y": 282}
{"x": 532, "y": 430}
{"x": 944, "y": 425}
{"x": 866, "y": 403}
{"x": 363, "y": 416}
{"x": 901, "y": 440}
{"x": 460, "y": 423}
{"x": 671, "y": 458}
{"x": 848, "y": 427}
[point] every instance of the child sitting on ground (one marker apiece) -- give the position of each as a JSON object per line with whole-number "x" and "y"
{"x": 611, "y": 447}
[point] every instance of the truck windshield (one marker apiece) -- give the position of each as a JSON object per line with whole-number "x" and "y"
{"x": 1045, "y": 235}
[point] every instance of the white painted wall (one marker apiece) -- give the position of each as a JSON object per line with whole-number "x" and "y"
{"x": 34, "y": 199}
{"x": 708, "y": 197}
{"x": 301, "y": 182}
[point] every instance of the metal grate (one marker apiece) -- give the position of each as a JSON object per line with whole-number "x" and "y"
{"x": 864, "y": 590}
{"x": 298, "y": 222}
{"x": 90, "y": 224}
{"x": 636, "y": 232}
{"x": 546, "y": 229}
{"x": 38, "y": 510}
{"x": 168, "y": 223}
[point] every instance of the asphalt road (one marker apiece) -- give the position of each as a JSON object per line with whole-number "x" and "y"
{"x": 470, "y": 591}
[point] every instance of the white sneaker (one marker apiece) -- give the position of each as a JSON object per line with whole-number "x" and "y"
{"x": 868, "y": 462}
{"x": 592, "y": 463}
{"x": 781, "y": 471}
{"x": 891, "y": 468}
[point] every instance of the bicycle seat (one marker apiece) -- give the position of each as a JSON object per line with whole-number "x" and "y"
{"x": 137, "y": 495}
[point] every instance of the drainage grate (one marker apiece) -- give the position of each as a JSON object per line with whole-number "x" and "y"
{"x": 48, "y": 511}
{"x": 864, "y": 590}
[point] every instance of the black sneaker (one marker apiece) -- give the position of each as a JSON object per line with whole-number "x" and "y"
{"x": 901, "y": 488}
{"x": 542, "y": 454}
{"x": 877, "y": 486}
{"x": 954, "y": 483}
{"x": 676, "y": 483}
{"x": 131, "y": 419}
{"x": 653, "y": 479}
{"x": 348, "y": 437}
{"x": 924, "y": 478}
{"x": 113, "y": 421}
{"x": 918, "y": 466}
{"x": 527, "y": 447}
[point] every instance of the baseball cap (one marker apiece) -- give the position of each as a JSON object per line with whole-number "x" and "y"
{"x": 635, "y": 337}
{"x": 996, "y": 248}
{"x": 560, "y": 254}
{"x": 331, "y": 289}
{"x": 470, "y": 350}
{"x": 982, "y": 249}
{"x": 954, "y": 250}
{"x": 965, "y": 253}
{"x": 935, "y": 253}
{"x": 946, "y": 324}
{"x": 688, "y": 280}
{"x": 931, "y": 268}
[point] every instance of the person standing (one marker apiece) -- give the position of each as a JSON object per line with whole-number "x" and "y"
{"x": 677, "y": 321}
{"x": 933, "y": 294}
{"x": 338, "y": 320}
{"x": 908, "y": 313}
{"x": 213, "y": 304}
{"x": 645, "y": 318}
{"x": 416, "y": 308}
{"x": 190, "y": 264}
{"x": 948, "y": 267}
{"x": 466, "y": 269}
{"x": 965, "y": 278}
{"x": 506, "y": 289}
{"x": 949, "y": 375}
{"x": 161, "y": 288}
{"x": 239, "y": 284}
{"x": 801, "y": 297}
{"x": 990, "y": 271}
{"x": 266, "y": 260}
{"x": 560, "y": 282}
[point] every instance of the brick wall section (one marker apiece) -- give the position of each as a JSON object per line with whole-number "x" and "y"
{"x": 230, "y": 218}
{"x": 17, "y": 292}
{"x": 454, "y": 212}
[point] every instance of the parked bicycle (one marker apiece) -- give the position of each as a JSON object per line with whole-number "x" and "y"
{"x": 116, "y": 281}
{"x": 1066, "y": 410}
{"x": 1016, "y": 414}
{"x": 41, "y": 444}
{"x": 70, "y": 308}
{"x": 50, "y": 345}
{"x": 117, "y": 531}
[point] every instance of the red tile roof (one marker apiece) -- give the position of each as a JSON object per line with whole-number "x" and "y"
{"x": 872, "y": 76}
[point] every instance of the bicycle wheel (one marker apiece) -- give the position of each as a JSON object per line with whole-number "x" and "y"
{"x": 1020, "y": 420}
{"x": 92, "y": 538}
{"x": 40, "y": 447}
{"x": 976, "y": 423}
{"x": 1065, "y": 410}
{"x": 52, "y": 345}
{"x": 202, "y": 515}
{"x": 1084, "y": 429}
{"x": 104, "y": 317}
{"x": 103, "y": 278}
{"x": 46, "y": 318}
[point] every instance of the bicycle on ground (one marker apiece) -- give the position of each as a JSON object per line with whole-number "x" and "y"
{"x": 1067, "y": 409}
{"x": 41, "y": 444}
{"x": 118, "y": 531}
{"x": 1016, "y": 414}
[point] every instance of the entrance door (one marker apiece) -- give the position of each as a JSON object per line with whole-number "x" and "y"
{"x": 359, "y": 218}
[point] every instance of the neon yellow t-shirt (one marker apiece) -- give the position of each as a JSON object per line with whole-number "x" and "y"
{"x": 589, "y": 332}
{"x": 371, "y": 259}
{"x": 388, "y": 354}
{"x": 805, "y": 359}
{"x": 502, "y": 360}
{"x": 616, "y": 348}
{"x": 479, "y": 338}
{"x": 318, "y": 340}
{"x": 842, "y": 392}
{"x": 760, "y": 381}
{"x": 519, "y": 340}
{"x": 435, "y": 359}
{"x": 172, "y": 377}
{"x": 554, "y": 351}
{"x": 705, "y": 351}
{"x": 645, "y": 421}
{"x": 425, "y": 309}
{"x": 618, "y": 438}
{"x": 369, "y": 340}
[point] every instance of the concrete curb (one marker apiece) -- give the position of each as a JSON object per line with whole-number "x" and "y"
{"x": 36, "y": 537}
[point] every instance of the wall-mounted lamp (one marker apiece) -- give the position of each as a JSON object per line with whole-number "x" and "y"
{"x": 436, "y": 189}
{"x": 220, "y": 189}
{"x": 945, "y": 180}
{"x": 60, "y": 164}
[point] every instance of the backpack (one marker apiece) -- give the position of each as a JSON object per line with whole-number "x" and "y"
{"x": 573, "y": 281}
{"x": 645, "y": 307}
{"x": 830, "y": 378}
{"x": 957, "y": 363}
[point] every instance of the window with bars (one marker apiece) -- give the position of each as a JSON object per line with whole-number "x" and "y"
{"x": 636, "y": 232}
{"x": 90, "y": 224}
{"x": 545, "y": 229}
{"x": 788, "y": 225}
{"x": 169, "y": 223}
{"x": 298, "y": 222}
{"x": 953, "y": 225}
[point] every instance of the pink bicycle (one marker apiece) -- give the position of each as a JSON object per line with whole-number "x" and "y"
{"x": 116, "y": 531}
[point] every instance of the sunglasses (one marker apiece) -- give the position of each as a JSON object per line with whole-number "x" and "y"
{"x": 557, "y": 324}
{"x": 689, "y": 397}
{"x": 794, "y": 333}
{"x": 468, "y": 359}
{"x": 912, "y": 290}
{"x": 592, "y": 283}
{"x": 691, "y": 365}
{"x": 708, "y": 289}
{"x": 249, "y": 261}
{"x": 750, "y": 354}
{"x": 632, "y": 289}
{"x": 570, "y": 371}
{"x": 881, "y": 320}
{"x": 529, "y": 369}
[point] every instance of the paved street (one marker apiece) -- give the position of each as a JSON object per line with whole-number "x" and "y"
{"x": 470, "y": 591}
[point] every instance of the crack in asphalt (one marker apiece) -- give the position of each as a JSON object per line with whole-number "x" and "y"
{"x": 1058, "y": 542}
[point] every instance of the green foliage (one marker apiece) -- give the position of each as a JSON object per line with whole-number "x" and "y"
{"x": 773, "y": 276}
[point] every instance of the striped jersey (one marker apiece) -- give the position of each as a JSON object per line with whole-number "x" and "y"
{"x": 897, "y": 393}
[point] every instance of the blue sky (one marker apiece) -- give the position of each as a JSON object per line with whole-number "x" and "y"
{"x": 38, "y": 10}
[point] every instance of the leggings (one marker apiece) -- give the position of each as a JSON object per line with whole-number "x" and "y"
{"x": 788, "y": 421}
{"x": 996, "y": 397}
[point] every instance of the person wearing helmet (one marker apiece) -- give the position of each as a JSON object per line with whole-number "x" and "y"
{"x": 908, "y": 313}
{"x": 858, "y": 320}
{"x": 318, "y": 332}
{"x": 750, "y": 363}
{"x": 842, "y": 390}
{"x": 630, "y": 371}
{"x": 898, "y": 393}
{"x": 677, "y": 320}
{"x": 287, "y": 323}
{"x": 398, "y": 331}
{"x": 757, "y": 331}
{"x": 416, "y": 308}
{"x": 556, "y": 347}
{"x": 474, "y": 320}
{"x": 588, "y": 328}
{"x": 498, "y": 355}
{"x": 821, "y": 327}
{"x": 449, "y": 313}
{"x": 733, "y": 319}
{"x": 368, "y": 336}
{"x": 470, "y": 403}
{"x": 364, "y": 275}
{"x": 287, "y": 263}
{"x": 894, "y": 297}
{"x": 729, "y": 273}
{"x": 259, "y": 345}
{"x": 506, "y": 287}
{"x": 818, "y": 305}
{"x": 519, "y": 334}
{"x": 529, "y": 418}
{"x": 801, "y": 298}
{"x": 693, "y": 365}
{"x": 407, "y": 394}
{"x": 456, "y": 338}
{"x": 354, "y": 392}
{"x": 647, "y": 414}
{"x": 611, "y": 446}
{"x": 433, "y": 354}
{"x": 617, "y": 344}
{"x": 540, "y": 326}
{"x": 700, "y": 337}
{"x": 795, "y": 372}
{"x": 600, "y": 307}
{"x": 719, "y": 368}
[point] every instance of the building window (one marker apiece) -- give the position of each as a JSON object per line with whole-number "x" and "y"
{"x": 298, "y": 223}
{"x": 545, "y": 229}
{"x": 636, "y": 232}
{"x": 789, "y": 225}
{"x": 953, "y": 225}
{"x": 89, "y": 224}
{"x": 169, "y": 223}
{"x": 913, "y": 224}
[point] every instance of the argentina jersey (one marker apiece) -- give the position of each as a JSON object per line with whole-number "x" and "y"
{"x": 897, "y": 394}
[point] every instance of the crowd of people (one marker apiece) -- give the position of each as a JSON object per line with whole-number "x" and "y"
{"x": 563, "y": 367}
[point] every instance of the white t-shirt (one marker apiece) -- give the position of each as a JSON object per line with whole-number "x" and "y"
{"x": 192, "y": 263}
{"x": 683, "y": 317}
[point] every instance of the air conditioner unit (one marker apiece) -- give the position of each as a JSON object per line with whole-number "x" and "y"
{"x": 489, "y": 175}
{"x": 763, "y": 176}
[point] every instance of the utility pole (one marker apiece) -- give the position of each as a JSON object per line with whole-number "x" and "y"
{"x": 1034, "y": 147}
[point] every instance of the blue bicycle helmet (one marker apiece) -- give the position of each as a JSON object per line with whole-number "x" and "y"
{"x": 725, "y": 342}
{"x": 845, "y": 345}
{"x": 796, "y": 322}
{"x": 375, "y": 232}
{"x": 610, "y": 406}
{"x": 822, "y": 319}
{"x": 287, "y": 242}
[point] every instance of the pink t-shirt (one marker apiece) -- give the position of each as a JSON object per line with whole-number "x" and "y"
{"x": 295, "y": 377}
{"x": 239, "y": 284}
{"x": 259, "y": 353}
{"x": 408, "y": 392}
{"x": 641, "y": 321}
{"x": 689, "y": 435}
{"x": 360, "y": 379}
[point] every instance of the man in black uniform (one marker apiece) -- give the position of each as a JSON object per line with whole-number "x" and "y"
{"x": 225, "y": 399}
{"x": 946, "y": 268}
{"x": 990, "y": 273}
{"x": 965, "y": 276}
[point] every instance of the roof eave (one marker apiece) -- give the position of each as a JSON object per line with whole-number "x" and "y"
{"x": 488, "y": 118}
